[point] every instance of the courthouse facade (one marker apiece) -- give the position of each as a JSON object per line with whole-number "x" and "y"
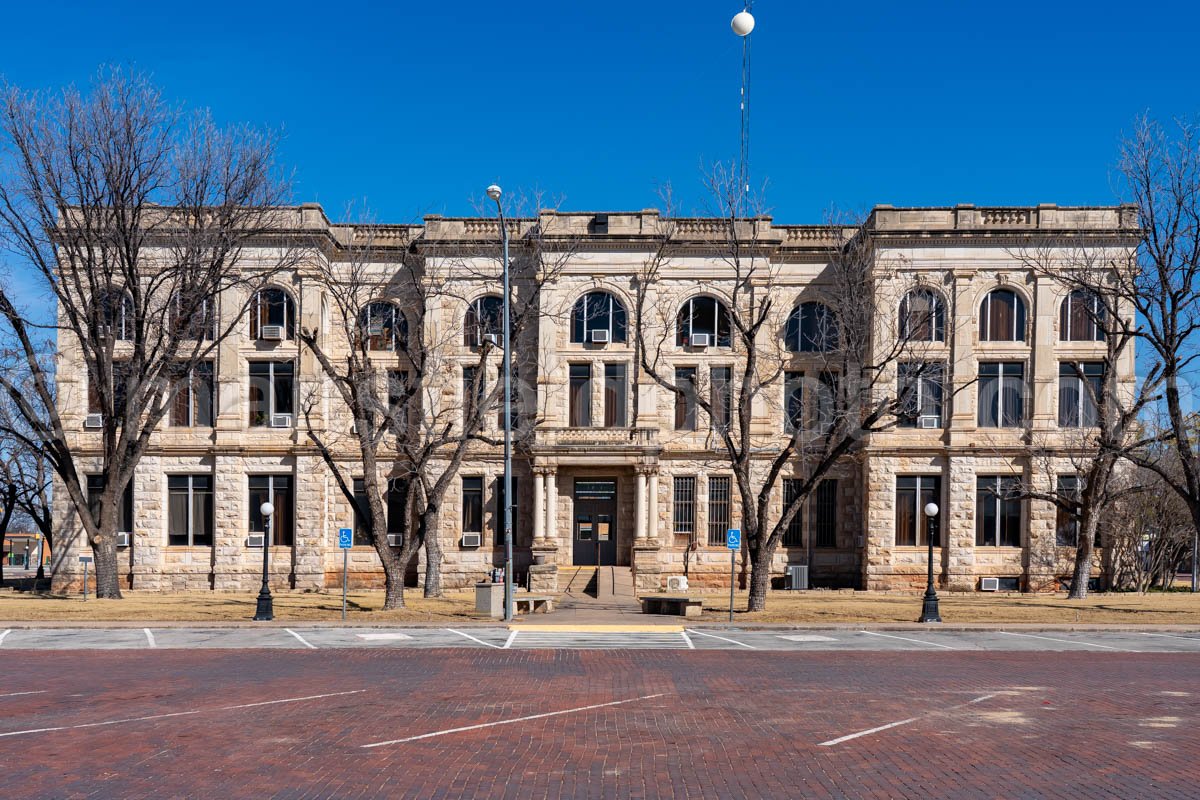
{"x": 611, "y": 466}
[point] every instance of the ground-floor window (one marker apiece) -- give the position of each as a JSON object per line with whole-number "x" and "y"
{"x": 684, "y": 510}
{"x": 913, "y": 493}
{"x": 718, "y": 509}
{"x": 794, "y": 535}
{"x": 824, "y": 516}
{"x": 278, "y": 490}
{"x": 95, "y": 487}
{"x": 997, "y": 512}
{"x": 394, "y": 506}
{"x": 516, "y": 513}
{"x": 472, "y": 505}
{"x": 190, "y": 510}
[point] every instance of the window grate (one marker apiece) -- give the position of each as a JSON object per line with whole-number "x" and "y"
{"x": 718, "y": 509}
{"x": 685, "y": 506}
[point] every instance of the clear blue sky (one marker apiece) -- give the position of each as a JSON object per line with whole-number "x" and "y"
{"x": 415, "y": 107}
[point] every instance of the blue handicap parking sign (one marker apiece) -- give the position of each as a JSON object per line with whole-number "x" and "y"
{"x": 733, "y": 539}
{"x": 345, "y": 538}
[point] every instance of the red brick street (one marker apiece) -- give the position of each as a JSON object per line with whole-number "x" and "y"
{"x": 678, "y": 724}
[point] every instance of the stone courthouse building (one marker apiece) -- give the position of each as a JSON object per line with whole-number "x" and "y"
{"x": 612, "y": 466}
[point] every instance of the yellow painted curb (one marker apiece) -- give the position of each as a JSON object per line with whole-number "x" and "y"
{"x": 599, "y": 628}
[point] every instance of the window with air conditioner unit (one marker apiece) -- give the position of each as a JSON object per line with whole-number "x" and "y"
{"x": 278, "y": 489}
{"x": 93, "y": 421}
{"x": 255, "y": 540}
{"x": 272, "y": 393}
{"x": 272, "y": 315}
{"x": 281, "y": 420}
{"x": 375, "y": 329}
{"x": 271, "y": 333}
{"x": 598, "y": 317}
{"x": 484, "y": 317}
{"x": 920, "y": 394}
{"x": 494, "y": 339}
{"x": 395, "y": 540}
{"x": 124, "y": 538}
{"x": 700, "y": 340}
{"x": 599, "y": 337}
{"x": 989, "y": 584}
{"x": 929, "y": 421}
{"x": 703, "y": 322}
{"x": 471, "y": 539}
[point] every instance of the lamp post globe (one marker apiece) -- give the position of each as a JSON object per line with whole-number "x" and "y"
{"x": 264, "y": 610}
{"x": 742, "y": 23}
{"x": 929, "y": 605}
{"x": 495, "y": 192}
{"x": 931, "y": 509}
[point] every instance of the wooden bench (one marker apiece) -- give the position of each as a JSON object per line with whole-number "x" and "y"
{"x": 677, "y": 606}
{"x": 533, "y": 603}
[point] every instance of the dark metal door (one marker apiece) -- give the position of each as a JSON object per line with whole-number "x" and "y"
{"x": 595, "y": 523}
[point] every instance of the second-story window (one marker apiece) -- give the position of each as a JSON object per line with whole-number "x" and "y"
{"x": 272, "y": 315}
{"x": 1082, "y": 318}
{"x": 272, "y": 393}
{"x": 811, "y": 328}
{"x": 193, "y": 316}
{"x": 1001, "y": 394}
{"x": 581, "y": 395}
{"x": 793, "y": 401}
{"x": 484, "y": 322}
{"x": 1079, "y": 388}
{"x": 922, "y": 316}
{"x": 192, "y": 404}
{"x": 615, "y": 393}
{"x": 120, "y": 382}
{"x": 721, "y": 383}
{"x": 116, "y": 314}
{"x": 473, "y": 394}
{"x": 1002, "y": 317}
{"x": 598, "y": 317}
{"x": 703, "y": 322}
{"x": 920, "y": 394}
{"x": 685, "y": 398}
{"x": 382, "y": 326}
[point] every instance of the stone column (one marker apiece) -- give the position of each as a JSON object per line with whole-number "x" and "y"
{"x": 539, "y": 507}
{"x": 543, "y": 573}
{"x": 652, "y": 509}
{"x": 552, "y": 506}
{"x": 639, "y": 514}
{"x": 647, "y": 571}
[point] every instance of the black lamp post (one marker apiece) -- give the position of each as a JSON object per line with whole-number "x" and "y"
{"x": 929, "y": 610}
{"x": 265, "y": 611}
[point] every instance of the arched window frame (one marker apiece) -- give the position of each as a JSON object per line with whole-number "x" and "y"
{"x": 277, "y": 309}
{"x": 915, "y": 327}
{"x": 599, "y": 310}
{"x": 1082, "y": 324}
{"x": 720, "y": 326}
{"x": 1001, "y": 330}
{"x": 488, "y": 308}
{"x": 822, "y": 323}
{"x": 383, "y": 326}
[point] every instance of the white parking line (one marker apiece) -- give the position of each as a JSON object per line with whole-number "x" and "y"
{"x": 1172, "y": 636}
{"x": 906, "y": 639}
{"x": 303, "y": 641}
{"x": 18, "y": 694}
{"x": 384, "y": 637}
{"x": 869, "y": 731}
{"x": 687, "y": 639}
{"x": 1068, "y": 641}
{"x": 722, "y": 638}
{"x": 179, "y": 713}
{"x": 508, "y": 642}
{"x": 511, "y": 721}
{"x": 5, "y": 633}
{"x": 473, "y": 639}
{"x": 150, "y": 638}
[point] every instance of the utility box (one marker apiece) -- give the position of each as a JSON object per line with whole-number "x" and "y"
{"x": 489, "y": 599}
{"x": 797, "y": 577}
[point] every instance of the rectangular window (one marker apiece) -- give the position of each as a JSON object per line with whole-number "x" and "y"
{"x": 794, "y": 535}
{"x": 516, "y": 513}
{"x": 272, "y": 390}
{"x": 95, "y": 486}
{"x": 120, "y": 374}
{"x": 913, "y": 493}
{"x": 1066, "y": 523}
{"x": 721, "y": 400}
{"x": 362, "y": 514}
{"x": 192, "y": 405}
{"x": 920, "y": 394}
{"x": 824, "y": 517}
{"x": 684, "y": 511}
{"x": 615, "y": 393}
{"x": 472, "y": 505}
{"x": 1079, "y": 387}
{"x": 718, "y": 509}
{"x": 685, "y": 398}
{"x": 997, "y": 512}
{"x": 397, "y": 506}
{"x": 793, "y": 401}
{"x": 1001, "y": 394}
{"x": 581, "y": 395}
{"x": 278, "y": 490}
{"x": 472, "y": 395}
{"x": 190, "y": 510}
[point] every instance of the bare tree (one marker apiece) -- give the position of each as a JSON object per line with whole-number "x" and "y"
{"x": 1148, "y": 534}
{"x": 133, "y": 216}
{"x": 839, "y": 336}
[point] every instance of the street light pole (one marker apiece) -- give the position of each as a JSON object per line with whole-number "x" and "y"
{"x": 929, "y": 609}
{"x": 265, "y": 610}
{"x": 495, "y": 193}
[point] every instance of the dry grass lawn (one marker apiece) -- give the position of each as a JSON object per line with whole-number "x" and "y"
{"x": 362, "y": 606}
{"x": 1176, "y": 608}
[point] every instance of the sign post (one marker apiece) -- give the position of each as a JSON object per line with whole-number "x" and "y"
{"x": 345, "y": 542}
{"x": 733, "y": 540}
{"x": 85, "y": 560}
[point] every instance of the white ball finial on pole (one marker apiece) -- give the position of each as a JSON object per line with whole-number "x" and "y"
{"x": 743, "y": 23}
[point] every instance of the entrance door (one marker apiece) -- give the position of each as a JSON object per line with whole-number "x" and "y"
{"x": 595, "y": 525}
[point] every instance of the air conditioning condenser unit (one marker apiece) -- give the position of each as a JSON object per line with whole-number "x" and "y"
{"x": 677, "y": 583}
{"x": 797, "y": 577}
{"x": 989, "y": 584}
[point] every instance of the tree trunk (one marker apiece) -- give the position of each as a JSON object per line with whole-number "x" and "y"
{"x": 760, "y": 578}
{"x": 107, "y": 572}
{"x": 433, "y": 554}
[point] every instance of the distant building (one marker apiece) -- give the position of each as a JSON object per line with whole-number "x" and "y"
{"x": 22, "y": 550}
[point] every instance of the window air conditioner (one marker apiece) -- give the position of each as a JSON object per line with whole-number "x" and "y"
{"x": 472, "y": 539}
{"x": 375, "y": 329}
{"x": 124, "y": 538}
{"x": 929, "y": 421}
{"x": 395, "y": 540}
{"x": 700, "y": 340}
{"x": 281, "y": 420}
{"x": 494, "y": 339}
{"x": 989, "y": 584}
{"x": 599, "y": 336}
{"x": 255, "y": 540}
{"x": 677, "y": 583}
{"x": 93, "y": 421}
{"x": 271, "y": 333}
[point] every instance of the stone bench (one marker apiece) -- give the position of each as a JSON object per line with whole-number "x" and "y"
{"x": 533, "y": 603}
{"x": 676, "y": 606}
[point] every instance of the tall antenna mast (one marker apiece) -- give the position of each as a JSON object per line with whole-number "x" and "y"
{"x": 743, "y": 25}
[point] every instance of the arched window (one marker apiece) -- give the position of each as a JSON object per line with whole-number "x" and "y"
{"x": 922, "y": 316}
{"x": 1082, "y": 318}
{"x": 703, "y": 322}
{"x": 811, "y": 328}
{"x": 485, "y": 317}
{"x": 116, "y": 314}
{"x": 383, "y": 326}
{"x": 272, "y": 315}
{"x": 193, "y": 317}
{"x": 1002, "y": 317}
{"x": 598, "y": 317}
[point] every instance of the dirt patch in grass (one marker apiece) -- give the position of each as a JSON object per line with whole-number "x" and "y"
{"x": 362, "y": 606}
{"x": 1175, "y": 608}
